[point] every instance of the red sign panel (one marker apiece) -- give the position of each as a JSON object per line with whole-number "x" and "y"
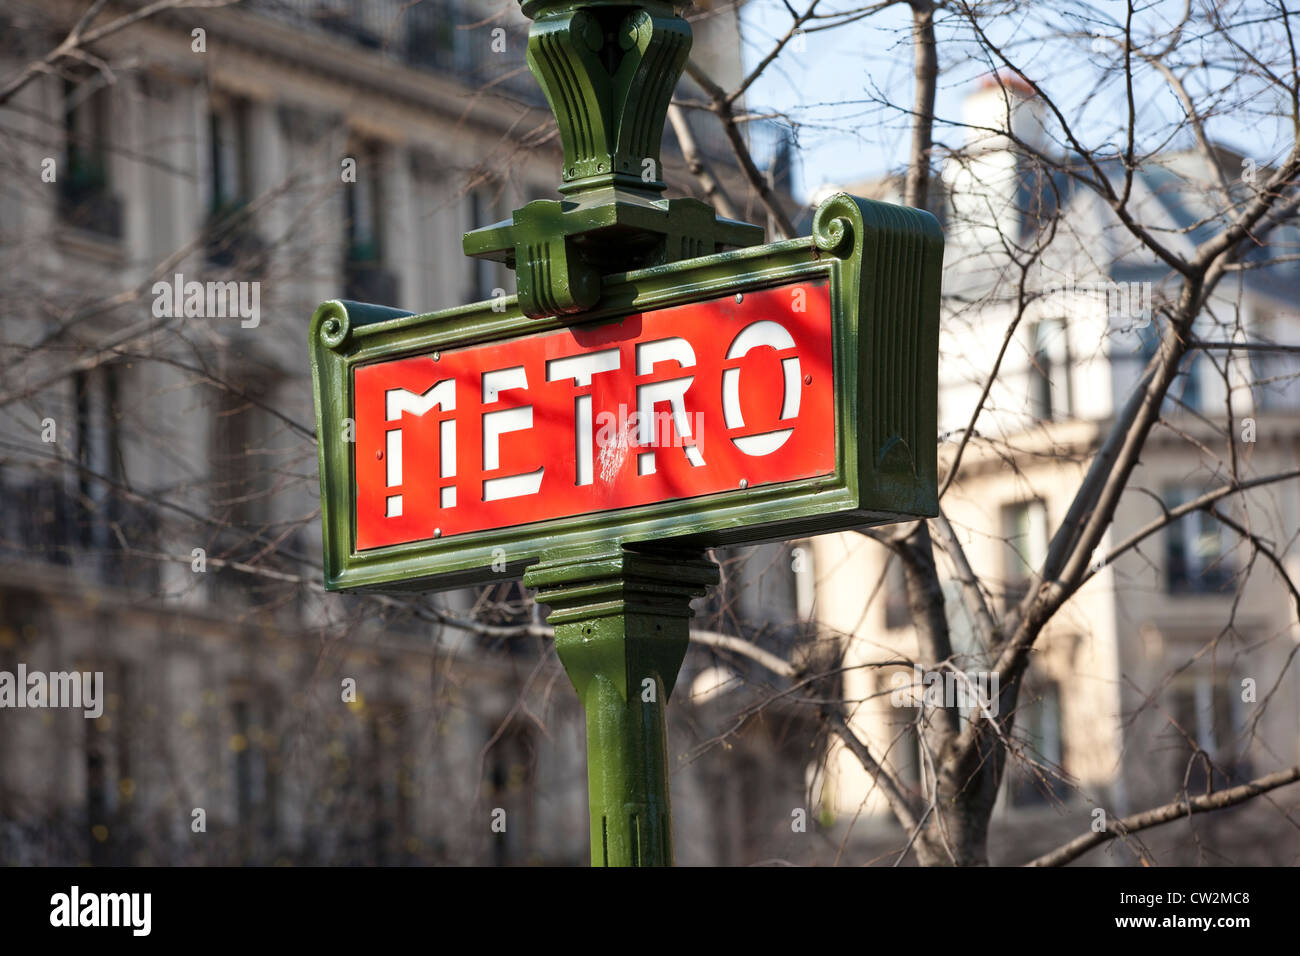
{"x": 661, "y": 405}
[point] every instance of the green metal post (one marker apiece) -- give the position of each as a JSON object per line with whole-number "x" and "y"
{"x": 621, "y": 622}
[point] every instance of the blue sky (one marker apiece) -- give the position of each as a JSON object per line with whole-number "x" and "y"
{"x": 834, "y": 85}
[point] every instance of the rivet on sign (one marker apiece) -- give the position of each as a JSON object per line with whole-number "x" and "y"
{"x": 739, "y": 298}
{"x": 437, "y": 532}
{"x": 744, "y": 482}
{"x": 436, "y": 356}
{"x": 807, "y": 379}
{"x": 379, "y": 454}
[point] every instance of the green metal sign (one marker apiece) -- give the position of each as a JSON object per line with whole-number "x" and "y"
{"x": 876, "y": 265}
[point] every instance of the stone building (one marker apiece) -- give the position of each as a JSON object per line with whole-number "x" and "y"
{"x": 1172, "y": 648}
{"x": 160, "y": 513}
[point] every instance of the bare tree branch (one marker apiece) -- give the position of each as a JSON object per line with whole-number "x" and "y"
{"x": 1165, "y": 814}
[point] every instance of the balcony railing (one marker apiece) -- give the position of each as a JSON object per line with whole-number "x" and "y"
{"x": 54, "y": 525}
{"x": 435, "y": 35}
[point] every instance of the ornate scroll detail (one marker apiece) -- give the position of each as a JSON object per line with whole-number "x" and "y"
{"x": 608, "y": 69}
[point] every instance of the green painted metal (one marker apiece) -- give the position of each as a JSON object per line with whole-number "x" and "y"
{"x": 621, "y": 623}
{"x": 608, "y": 70}
{"x": 619, "y": 583}
{"x": 884, "y": 265}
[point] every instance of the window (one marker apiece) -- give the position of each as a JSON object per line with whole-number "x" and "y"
{"x": 505, "y": 604}
{"x": 98, "y": 451}
{"x": 391, "y": 779}
{"x": 109, "y": 784}
{"x": 757, "y": 596}
{"x": 1186, "y": 388}
{"x": 230, "y": 153}
{"x": 1209, "y": 719}
{"x": 85, "y": 198}
{"x": 1050, "y": 391}
{"x": 367, "y": 280}
{"x": 1033, "y": 776}
{"x": 904, "y": 745}
{"x": 362, "y": 199}
{"x": 432, "y": 38}
{"x": 231, "y": 239}
{"x": 256, "y": 773}
{"x": 481, "y": 270}
{"x": 1197, "y": 558}
{"x": 242, "y": 468}
{"x": 510, "y": 770}
{"x": 104, "y": 521}
{"x": 897, "y": 611}
{"x": 1024, "y": 530}
{"x": 1275, "y": 376}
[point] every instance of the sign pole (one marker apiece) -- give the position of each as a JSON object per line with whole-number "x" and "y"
{"x": 621, "y": 622}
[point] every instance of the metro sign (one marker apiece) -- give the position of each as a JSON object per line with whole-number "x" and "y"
{"x": 753, "y": 395}
{"x": 673, "y": 403}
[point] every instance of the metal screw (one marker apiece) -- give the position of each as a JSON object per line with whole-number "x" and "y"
{"x": 379, "y": 454}
{"x": 436, "y": 356}
{"x": 740, "y": 298}
{"x": 807, "y": 379}
{"x": 744, "y": 482}
{"x": 437, "y": 532}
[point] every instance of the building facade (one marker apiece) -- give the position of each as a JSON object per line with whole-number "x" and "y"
{"x": 1170, "y": 669}
{"x": 171, "y": 215}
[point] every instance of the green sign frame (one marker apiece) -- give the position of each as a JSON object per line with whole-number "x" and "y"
{"x": 884, "y": 265}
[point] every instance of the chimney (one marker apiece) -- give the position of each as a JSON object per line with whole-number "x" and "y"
{"x": 1003, "y": 103}
{"x": 988, "y": 184}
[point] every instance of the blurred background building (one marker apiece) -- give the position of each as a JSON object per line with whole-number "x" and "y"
{"x": 165, "y": 531}
{"x": 1152, "y": 678}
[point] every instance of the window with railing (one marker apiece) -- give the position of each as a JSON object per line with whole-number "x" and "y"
{"x": 82, "y": 511}
{"x": 483, "y": 47}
